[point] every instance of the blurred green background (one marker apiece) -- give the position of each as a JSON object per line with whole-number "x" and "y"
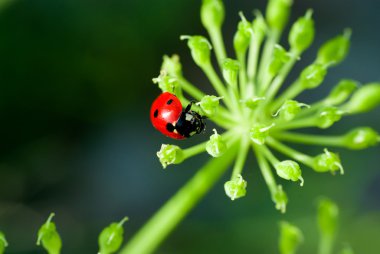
{"x": 75, "y": 136}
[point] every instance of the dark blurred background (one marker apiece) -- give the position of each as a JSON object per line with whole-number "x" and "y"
{"x": 75, "y": 136}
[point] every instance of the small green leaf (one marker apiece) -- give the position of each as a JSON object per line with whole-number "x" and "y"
{"x": 48, "y": 235}
{"x": 111, "y": 238}
{"x": 290, "y": 238}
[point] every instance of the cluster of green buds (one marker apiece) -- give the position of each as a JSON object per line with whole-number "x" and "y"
{"x": 327, "y": 220}
{"x": 110, "y": 239}
{"x": 247, "y": 109}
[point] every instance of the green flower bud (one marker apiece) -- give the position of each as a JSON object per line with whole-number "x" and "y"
{"x": 259, "y": 27}
{"x": 327, "y": 161}
{"x": 167, "y": 83}
{"x": 111, "y": 237}
{"x": 364, "y": 99}
{"x": 230, "y": 69}
{"x": 235, "y": 188}
{"x": 290, "y": 238}
{"x": 289, "y": 170}
{"x": 212, "y": 14}
{"x": 361, "y": 138}
{"x": 170, "y": 154}
{"x": 216, "y": 147}
{"x": 328, "y": 213}
{"x": 253, "y": 102}
{"x": 328, "y": 116}
{"x": 243, "y": 35}
{"x": 301, "y": 34}
{"x": 279, "y": 58}
{"x": 209, "y": 105}
{"x": 172, "y": 65}
{"x": 290, "y": 109}
{"x": 259, "y": 133}
{"x": 48, "y": 235}
{"x": 3, "y": 242}
{"x": 341, "y": 92}
{"x": 312, "y": 76}
{"x": 335, "y": 50}
{"x": 200, "y": 49}
{"x": 280, "y": 199}
{"x": 277, "y": 13}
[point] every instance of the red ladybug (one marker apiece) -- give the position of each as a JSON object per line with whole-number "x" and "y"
{"x": 168, "y": 116}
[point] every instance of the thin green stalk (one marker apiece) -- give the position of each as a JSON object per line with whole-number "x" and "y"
{"x": 218, "y": 44}
{"x": 265, "y": 170}
{"x": 290, "y": 93}
{"x": 269, "y": 155}
{"x": 296, "y": 124}
{"x": 303, "y": 158}
{"x": 242, "y": 75}
{"x": 310, "y": 139}
{"x": 253, "y": 56}
{"x": 270, "y": 43}
{"x": 191, "y": 89}
{"x": 325, "y": 245}
{"x": 241, "y": 158}
{"x": 166, "y": 219}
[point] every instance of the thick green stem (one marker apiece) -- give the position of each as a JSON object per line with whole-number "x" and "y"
{"x": 310, "y": 139}
{"x": 167, "y": 218}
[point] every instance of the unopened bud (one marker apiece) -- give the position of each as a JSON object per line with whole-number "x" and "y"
{"x": 280, "y": 199}
{"x": 170, "y": 154}
{"x": 209, "y": 105}
{"x": 327, "y": 161}
{"x": 341, "y": 92}
{"x": 200, "y": 49}
{"x": 328, "y": 116}
{"x": 277, "y": 13}
{"x": 301, "y": 34}
{"x": 111, "y": 238}
{"x": 312, "y": 76}
{"x": 335, "y": 50}
{"x": 3, "y": 242}
{"x": 361, "y": 138}
{"x": 328, "y": 213}
{"x": 290, "y": 238}
{"x": 290, "y": 109}
{"x": 172, "y": 65}
{"x": 279, "y": 58}
{"x": 216, "y": 146}
{"x": 212, "y": 14}
{"x": 259, "y": 133}
{"x": 167, "y": 83}
{"x": 235, "y": 188}
{"x": 259, "y": 27}
{"x": 253, "y": 102}
{"x": 289, "y": 170}
{"x": 243, "y": 35}
{"x": 364, "y": 99}
{"x": 49, "y": 237}
{"x": 230, "y": 69}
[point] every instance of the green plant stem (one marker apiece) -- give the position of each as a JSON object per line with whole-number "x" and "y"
{"x": 290, "y": 93}
{"x": 241, "y": 158}
{"x": 166, "y": 219}
{"x": 310, "y": 139}
{"x": 269, "y": 155}
{"x": 253, "y": 56}
{"x": 296, "y": 124}
{"x": 190, "y": 89}
{"x": 242, "y": 74}
{"x": 217, "y": 42}
{"x": 303, "y": 158}
{"x": 270, "y": 42}
{"x": 325, "y": 245}
{"x": 265, "y": 169}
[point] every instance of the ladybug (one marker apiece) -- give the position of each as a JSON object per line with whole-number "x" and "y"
{"x": 168, "y": 116}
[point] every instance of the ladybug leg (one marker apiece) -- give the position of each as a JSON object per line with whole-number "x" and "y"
{"x": 187, "y": 109}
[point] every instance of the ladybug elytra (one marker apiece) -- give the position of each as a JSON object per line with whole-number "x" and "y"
{"x": 168, "y": 116}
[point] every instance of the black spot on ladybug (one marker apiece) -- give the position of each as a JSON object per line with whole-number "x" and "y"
{"x": 155, "y": 114}
{"x": 169, "y": 101}
{"x": 170, "y": 127}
